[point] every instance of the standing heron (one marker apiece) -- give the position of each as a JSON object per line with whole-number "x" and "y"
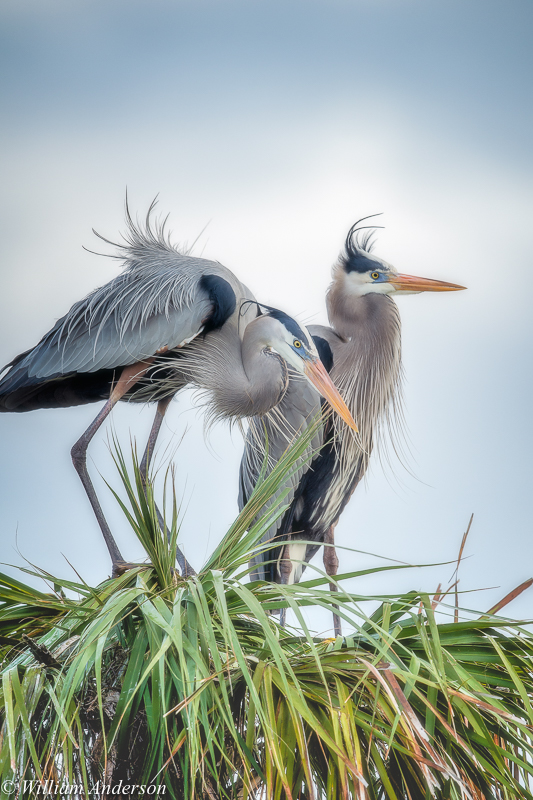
{"x": 114, "y": 344}
{"x": 362, "y": 351}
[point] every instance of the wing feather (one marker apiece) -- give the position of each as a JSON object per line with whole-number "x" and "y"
{"x": 162, "y": 299}
{"x": 125, "y": 321}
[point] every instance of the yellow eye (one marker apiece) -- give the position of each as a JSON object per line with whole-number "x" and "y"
{"x": 375, "y": 275}
{"x": 296, "y": 343}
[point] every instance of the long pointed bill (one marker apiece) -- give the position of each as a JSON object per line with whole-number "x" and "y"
{"x": 317, "y": 375}
{"x": 410, "y": 283}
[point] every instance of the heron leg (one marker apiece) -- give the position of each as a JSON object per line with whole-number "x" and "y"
{"x": 154, "y": 433}
{"x": 331, "y": 565}
{"x": 129, "y": 376}
{"x": 285, "y": 570}
{"x": 162, "y": 406}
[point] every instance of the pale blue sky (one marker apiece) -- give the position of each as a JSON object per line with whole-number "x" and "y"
{"x": 280, "y": 123}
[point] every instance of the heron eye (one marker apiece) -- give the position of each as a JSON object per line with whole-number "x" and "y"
{"x": 296, "y": 343}
{"x": 375, "y": 276}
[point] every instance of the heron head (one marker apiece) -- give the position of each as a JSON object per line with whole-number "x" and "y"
{"x": 293, "y": 342}
{"x": 366, "y": 273}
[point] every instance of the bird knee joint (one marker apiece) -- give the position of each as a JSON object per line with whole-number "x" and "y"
{"x": 331, "y": 561}
{"x": 78, "y": 454}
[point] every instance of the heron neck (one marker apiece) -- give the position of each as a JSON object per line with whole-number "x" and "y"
{"x": 265, "y": 376}
{"x": 242, "y": 376}
{"x": 367, "y": 368}
{"x": 370, "y": 316}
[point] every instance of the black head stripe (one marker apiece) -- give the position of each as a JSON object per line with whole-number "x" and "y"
{"x": 223, "y": 298}
{"x": 354, "y": 258}
{"x": 245, "y": 306}
{"x": 290, "y": 323}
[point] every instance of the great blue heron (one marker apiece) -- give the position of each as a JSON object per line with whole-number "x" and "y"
{"x": 111, "y": 344}
{"x": 362, "y": 351}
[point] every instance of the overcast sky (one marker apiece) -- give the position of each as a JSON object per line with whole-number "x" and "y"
{"x": 280, "y": 123}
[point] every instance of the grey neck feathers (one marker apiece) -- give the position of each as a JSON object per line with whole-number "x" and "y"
{"x": 241, "y": 378}
{"x": 370, "y": 316}
{"x": 367, "y": 370}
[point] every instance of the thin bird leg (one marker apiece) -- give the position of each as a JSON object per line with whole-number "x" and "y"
{"x": 185, "y": 567}
{"x": 331, "y": 564}
{"x": 285, "y": 569}
{"x": 154, "y": 433}
{"x": 129, "y": 376}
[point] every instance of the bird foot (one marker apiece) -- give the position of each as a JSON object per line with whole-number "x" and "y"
{"x": 124, "y": 566}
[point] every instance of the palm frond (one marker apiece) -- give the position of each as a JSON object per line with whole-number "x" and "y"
{"x": 191, "y": 684}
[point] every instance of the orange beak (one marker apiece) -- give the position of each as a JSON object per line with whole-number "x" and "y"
{"x": 410, "y": 283}
{"x": 318, "y": 376}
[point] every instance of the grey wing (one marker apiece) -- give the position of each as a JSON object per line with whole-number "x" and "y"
{"x": 125, "y": 321}
{"x": 299, "y": 406}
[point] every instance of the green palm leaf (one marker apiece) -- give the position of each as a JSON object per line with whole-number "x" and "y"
{"x": 192, "y": 686}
